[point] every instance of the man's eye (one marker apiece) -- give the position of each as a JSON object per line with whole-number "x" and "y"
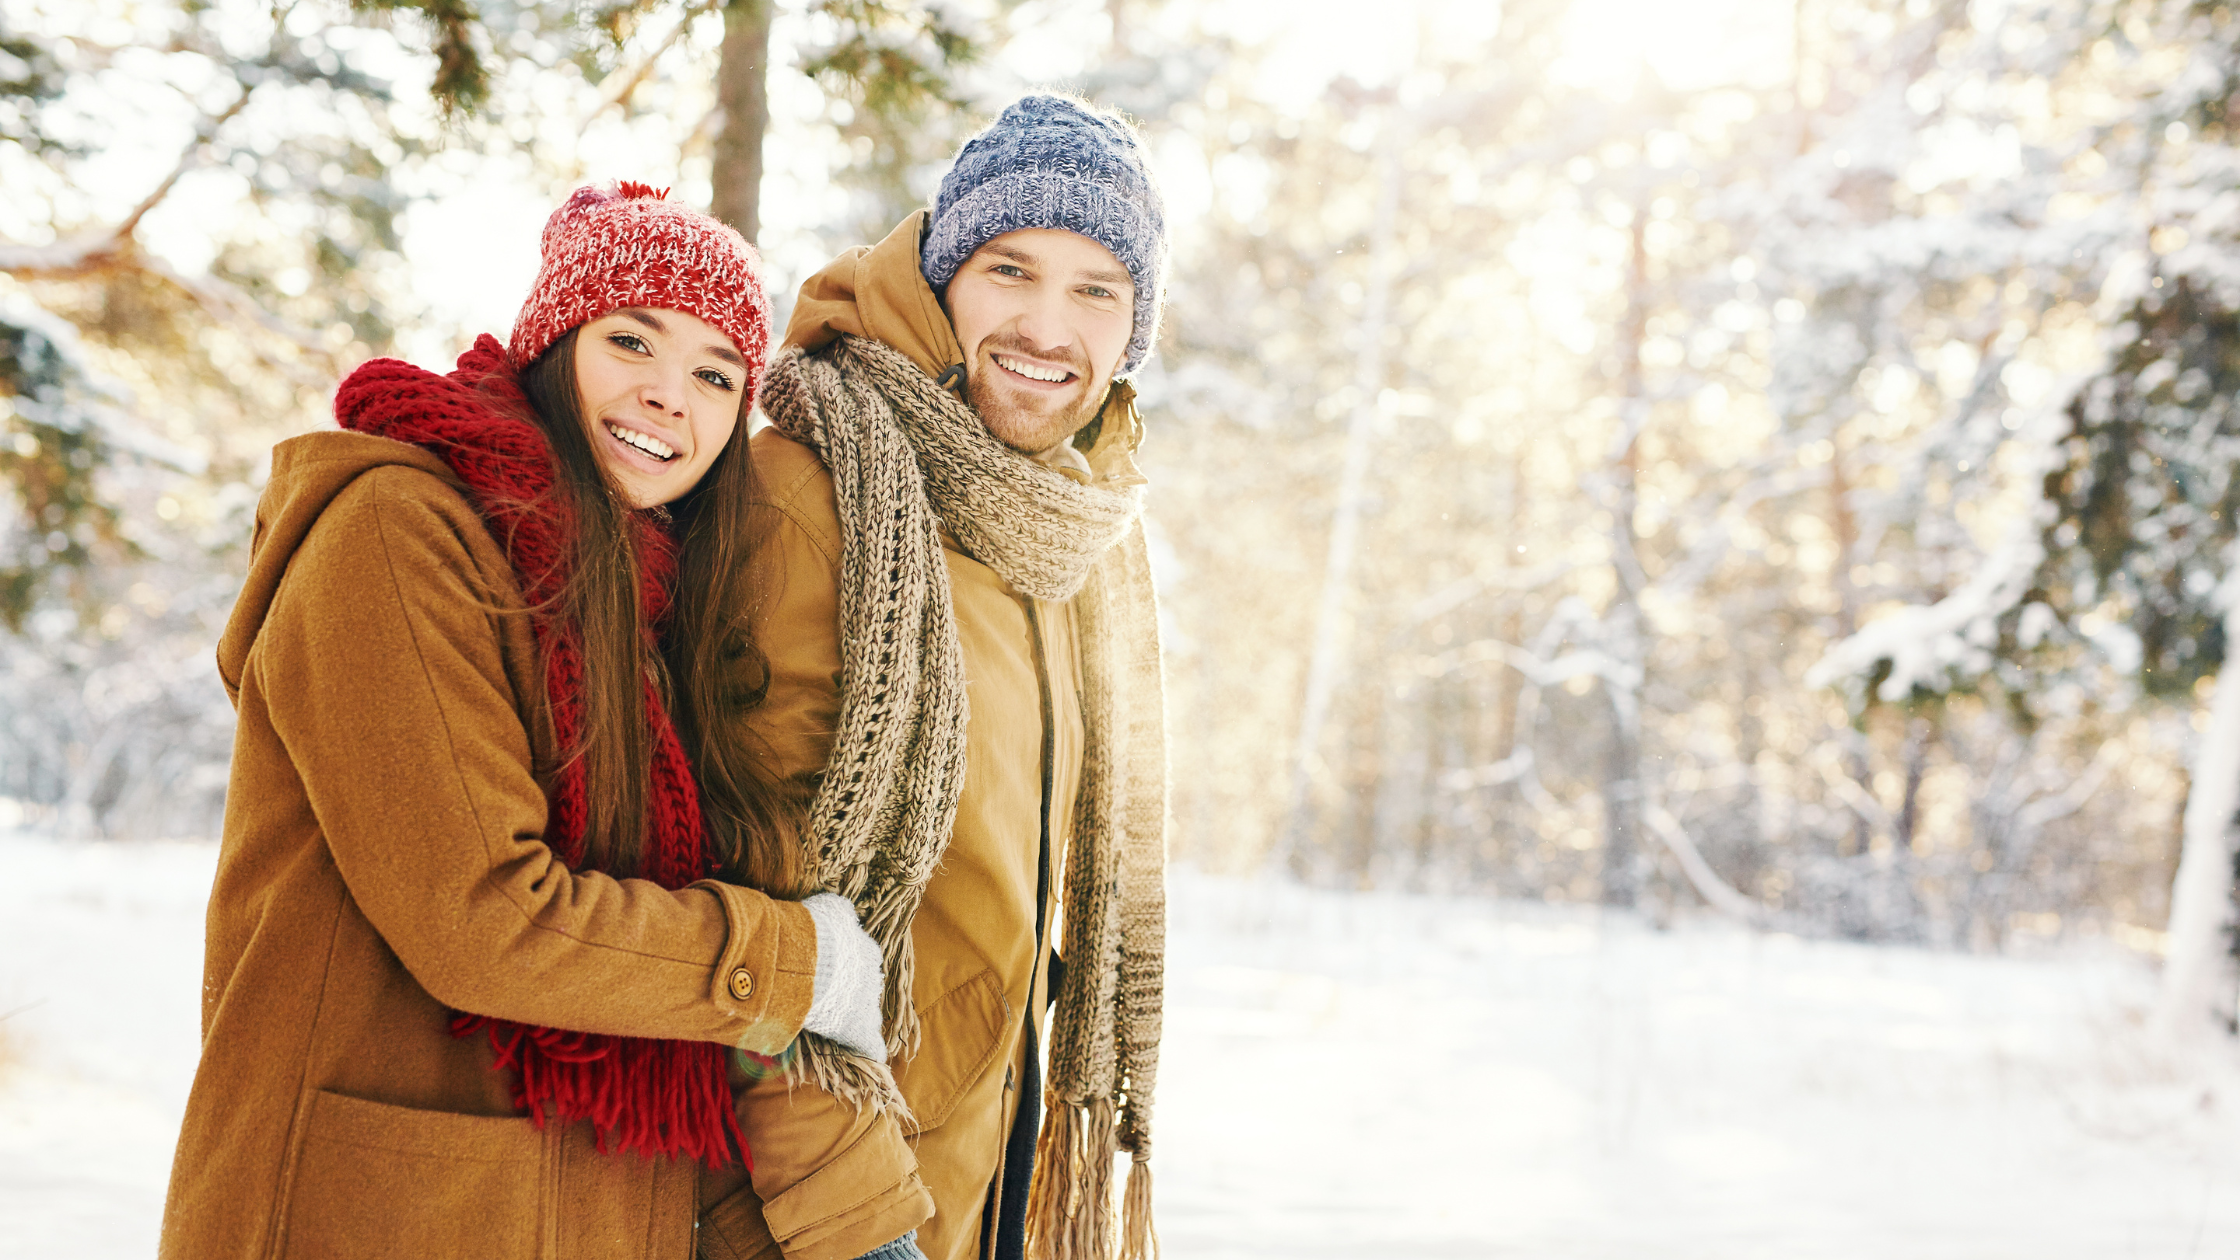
{"x": 628, "y": 341}
{"x": 1098, "y": 291}
{"x": 715, "y": 378}
{"x": 1006, "y": 269}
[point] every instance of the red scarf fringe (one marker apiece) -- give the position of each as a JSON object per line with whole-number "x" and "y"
{"x": 645, "y": 1096}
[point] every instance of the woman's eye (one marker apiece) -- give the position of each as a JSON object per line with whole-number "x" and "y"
{"x": 715, "y": 378}
{"x": 628, "y": 341}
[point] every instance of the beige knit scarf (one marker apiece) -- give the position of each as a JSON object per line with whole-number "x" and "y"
{"x": 908, "y": 460}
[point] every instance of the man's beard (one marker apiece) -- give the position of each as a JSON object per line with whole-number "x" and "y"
{"x": 1024, "y": 429}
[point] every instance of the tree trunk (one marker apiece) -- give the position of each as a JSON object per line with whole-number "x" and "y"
{"x": 743, "y": 94}
{"x": 1502, "y": 841}
{"x": 1847, "y": 612}
{"x": 1326, "y": 660}
{"x": 1625, "y": 634}
{"x": 2197, "y": 979}
{"x": 1916, "y": 758}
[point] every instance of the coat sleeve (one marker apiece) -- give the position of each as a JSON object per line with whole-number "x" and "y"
{"x": 829, "y": 1182}
{"x": 382, "y": 656}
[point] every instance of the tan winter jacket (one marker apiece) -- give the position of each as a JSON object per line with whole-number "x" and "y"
{"x": 979, "y": 974}
{"x": 381, "y": 866}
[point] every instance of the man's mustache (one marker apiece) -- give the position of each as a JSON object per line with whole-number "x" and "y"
{"x": 1072, "y": 357}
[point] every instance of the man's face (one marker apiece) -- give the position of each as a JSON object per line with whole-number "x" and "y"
{"x": 1044, "y": 316}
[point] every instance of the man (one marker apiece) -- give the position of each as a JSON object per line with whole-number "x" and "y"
{"x": 958, "y": 655}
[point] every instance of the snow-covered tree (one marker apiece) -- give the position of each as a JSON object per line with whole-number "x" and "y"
{"x": 2109, "y": 589}
{"x": 199, "y": 234}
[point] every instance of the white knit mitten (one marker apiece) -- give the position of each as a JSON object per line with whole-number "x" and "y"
{"x": 845, "y": 1005}
{"x": 903, "y": 1248}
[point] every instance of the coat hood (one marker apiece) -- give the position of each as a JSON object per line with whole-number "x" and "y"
{"x": 877, "y": 291}
{"x": 307, "y": 473}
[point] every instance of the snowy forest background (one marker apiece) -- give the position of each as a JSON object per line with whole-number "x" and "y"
{"x": 1772, "y": 455}
{"x": 1696, "y": 540}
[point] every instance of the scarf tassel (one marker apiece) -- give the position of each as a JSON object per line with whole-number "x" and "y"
{"x": 865, "y": 1084}
{"x": 1139, "y": 1239}
{"x": 1069, "y": 1204}
{"x": 642, "y": 1096}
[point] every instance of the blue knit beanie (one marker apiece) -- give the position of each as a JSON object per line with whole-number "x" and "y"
{"x": 1055, "y": 162}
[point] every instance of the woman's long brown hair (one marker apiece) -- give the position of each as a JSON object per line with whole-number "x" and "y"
{"x": 751, "y": 818}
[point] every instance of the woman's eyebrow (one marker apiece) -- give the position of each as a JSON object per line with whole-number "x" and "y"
{"x": 650, "y": 320}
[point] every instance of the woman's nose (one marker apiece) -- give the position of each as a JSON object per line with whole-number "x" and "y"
{"x": 664, "y": 396}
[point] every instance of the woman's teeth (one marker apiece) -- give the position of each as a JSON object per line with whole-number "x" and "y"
{"x": 646, "y": 442}
{"x": 1033, "y": 373}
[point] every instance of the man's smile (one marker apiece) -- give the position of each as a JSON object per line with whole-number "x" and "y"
{"x": 1031, "y": 370}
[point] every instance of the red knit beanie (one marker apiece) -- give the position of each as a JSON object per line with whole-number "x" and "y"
{"x": 607, "y": 248}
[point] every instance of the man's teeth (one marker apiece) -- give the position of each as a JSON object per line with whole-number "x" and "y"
{"x": 646, "y": 442}
{"x": 1033, "y": 373}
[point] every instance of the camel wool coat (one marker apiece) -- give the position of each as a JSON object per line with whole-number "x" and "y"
{"x": 382, "y": 867}
{"x": 982, "y": 968}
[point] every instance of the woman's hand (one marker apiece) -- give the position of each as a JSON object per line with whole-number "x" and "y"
{"x": 845, "y": 1006}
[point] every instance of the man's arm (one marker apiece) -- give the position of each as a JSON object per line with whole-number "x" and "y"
{"x": 832, "y": 1182}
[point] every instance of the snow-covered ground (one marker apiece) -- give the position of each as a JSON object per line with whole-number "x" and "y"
{"x": 1379, "y": 1076}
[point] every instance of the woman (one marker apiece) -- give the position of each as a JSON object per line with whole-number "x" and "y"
{"x": 469, "y": 986}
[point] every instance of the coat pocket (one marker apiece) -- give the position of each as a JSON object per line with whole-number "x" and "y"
{"x": 734, "y": 1229}
{"x": 960, "y": 1033}
{"x": 372, "y": 1180}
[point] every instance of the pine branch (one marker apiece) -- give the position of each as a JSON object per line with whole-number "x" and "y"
{"x": 876, "y": 63}
{"x": 189, "y": 157}
{"x": 620, "y": 85}
{"x": 108, "y": 247}
{"x": 229, "y": 302}
{"x": 462, "y": 79}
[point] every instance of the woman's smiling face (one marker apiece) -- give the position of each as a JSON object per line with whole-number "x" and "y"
{"x": 661, "y": 392}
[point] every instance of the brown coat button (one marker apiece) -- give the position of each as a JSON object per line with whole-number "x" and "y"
{"x": 742, "y": 983}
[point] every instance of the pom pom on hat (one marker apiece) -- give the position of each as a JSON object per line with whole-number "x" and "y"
{"x": 1056, "y": 162}
{"x": 608, "y": 248}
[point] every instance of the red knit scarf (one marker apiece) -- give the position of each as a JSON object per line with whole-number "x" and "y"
{"x": 649, "y": 1097}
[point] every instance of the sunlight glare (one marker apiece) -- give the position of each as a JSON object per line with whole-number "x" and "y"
{"x": 1308, "y": 44}
{"x": 1608, "y": 44}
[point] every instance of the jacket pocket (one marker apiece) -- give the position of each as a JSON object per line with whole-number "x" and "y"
{"x": 372, "y": 1180}
{"x": 734, "y": 1229}
{"x": 960, "y": 1033}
